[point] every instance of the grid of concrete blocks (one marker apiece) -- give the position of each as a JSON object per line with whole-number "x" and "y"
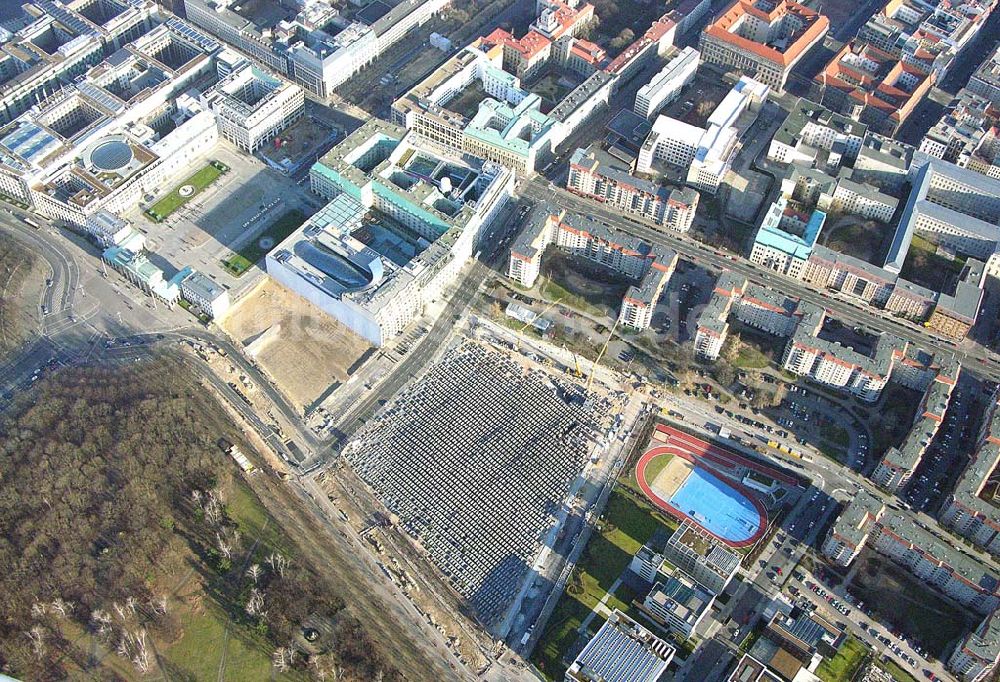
{"x": 475, "y": 459}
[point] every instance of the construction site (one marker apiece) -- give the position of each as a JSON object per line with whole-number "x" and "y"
{"x": 482, "y": 462}
{"x": 306, "y": 352}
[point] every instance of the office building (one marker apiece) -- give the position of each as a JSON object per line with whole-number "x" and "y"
{"x": 985, "y": 81}
{"x": 813, "y": 135}
{"x": 765, "y": 40}
{"x": 118, "y": 133}
{"x": 621, "y": 651}
{"x": 667, "y": 84}
{"x": 252, "y": 106}
{"x": 786, "y": 238}
{"x": 61, "y": 42}
{"x": 649, "y": 265}
{"x": 930, "y": 34}
{"x": 312, "y": 45}
{"x": 204, "y": 292}
{"x": 401, "y": 221}
{"x": 706, "y": 153}
{"x": 871, "y": 86}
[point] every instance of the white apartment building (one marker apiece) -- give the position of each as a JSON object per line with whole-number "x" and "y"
{"x": 977, "y": 655}
{"x": 666, "y": 85}
{"x": 809, "y": 128}
{"x": 853, "y": 527}
{"x": 651, "y": 266}
{"x": 598, "y": 175}
{"x": 863, "y": 200}
{"x": 252, "y": 106}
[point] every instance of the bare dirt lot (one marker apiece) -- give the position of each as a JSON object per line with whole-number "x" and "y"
{"x": 302, "y": 348}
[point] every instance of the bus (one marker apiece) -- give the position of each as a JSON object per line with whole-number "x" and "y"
{"x": 29, "y": 221}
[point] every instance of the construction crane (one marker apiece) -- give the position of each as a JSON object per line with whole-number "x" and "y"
{"x": 600, "y": 355}
{"x": 576, "y": 359}
{"x": 541, "y": 314}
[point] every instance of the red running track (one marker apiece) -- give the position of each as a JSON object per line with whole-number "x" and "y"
{"x": 669, "y": 449}
{"x": 728, "y": 458}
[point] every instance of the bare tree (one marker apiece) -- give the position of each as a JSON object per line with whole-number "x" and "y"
{"x": 278, "y": 563}
{"x": 255, "y": 604}
{"x": 225, "y": 549}
{"x": 133, "y": 647}
{"x": 38, "y": 609}
{"x": 255, "y": 571}
{"x": 131, "y": 603}
{"x": 61, "y": 607}
{"x": 37, "y": 637}
{"x": 283, "y": 658}
{"x": 159, "y": 604}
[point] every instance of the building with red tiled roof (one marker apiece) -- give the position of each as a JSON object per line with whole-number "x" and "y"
{"x": 763, "y": 38}
{"x": 871, "y": 86}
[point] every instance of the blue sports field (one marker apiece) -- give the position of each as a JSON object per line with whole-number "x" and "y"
{"x": 720, "y": 508}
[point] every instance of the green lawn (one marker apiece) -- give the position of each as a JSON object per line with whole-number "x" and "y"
{"x": 843, "y": 666}
{"x": 173, "y": 201}
{"x": 837, "y": 435}
{"x": 197, "y": 654}
{"x": 556, "y": 292}
{"x": 656, "y": 465}
{"x": 751, "y": 358}
{"x": 628, "y": 522}
{"x": 245, "y": 258}
{"x": 897, "y": 671}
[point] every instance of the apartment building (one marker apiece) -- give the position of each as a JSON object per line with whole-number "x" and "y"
{"x": 649, "y": 265}
{"x": 677, "y": 603}
{"x": 811, "y": 129}
{"x": 897, "y": 465}
{"x": 850, "y": 532}
{"x": 835, "y": 365}
{"x": 667, "y": 84}
{"x": 712, "y": 326}
{"x": 929, "y": 556}
{"x": 701, "y": 556}
{"x": 599, "y": 175}
{"x": 764, "y": 40}
{"x": 252, "y": 106}
{"x": 863, "y": 200}
{"x": 966, "y": 512}
{"x": 977, "y": 655}
{"x": 966, "y": 135}
{"x": 936, "y": 561}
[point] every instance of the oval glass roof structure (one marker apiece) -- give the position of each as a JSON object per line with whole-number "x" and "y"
{"x": 350, "y": 275}
{"x": 111, "y": 155}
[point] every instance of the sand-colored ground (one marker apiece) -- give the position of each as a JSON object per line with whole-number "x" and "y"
{"x": 671, "y": 477}
{"x": 302, "y": 348}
